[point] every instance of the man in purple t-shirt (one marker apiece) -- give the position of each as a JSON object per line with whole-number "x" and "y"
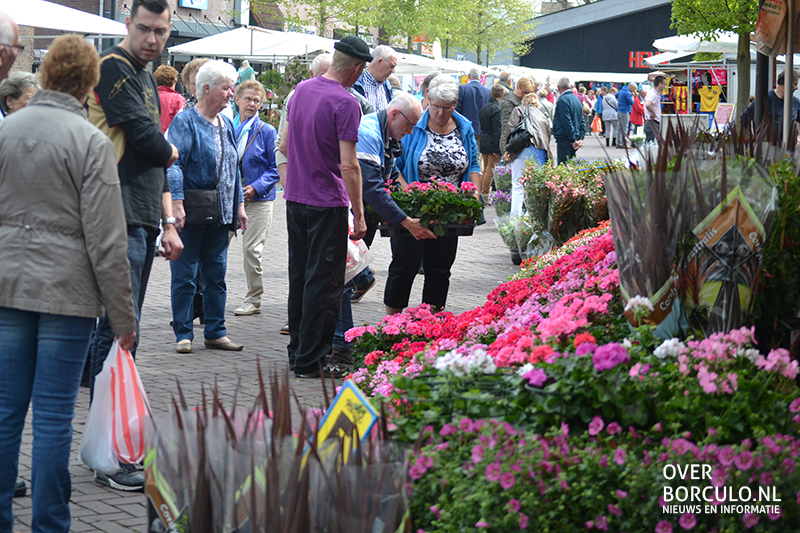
{"x": 323, "y": 178}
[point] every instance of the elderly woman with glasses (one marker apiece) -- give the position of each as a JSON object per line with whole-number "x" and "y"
{"x": 442, "y": 147}
{"x": 255, "y": 141}
{"x": 208, "y": 160}
{"x": 16, "y": 91}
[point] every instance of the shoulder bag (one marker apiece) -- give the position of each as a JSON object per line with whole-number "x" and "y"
{"x": 202, "y": 206}
{"x": 520, "y": 135}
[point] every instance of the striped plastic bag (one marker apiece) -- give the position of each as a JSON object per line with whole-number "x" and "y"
{"x": 115, "y": 426}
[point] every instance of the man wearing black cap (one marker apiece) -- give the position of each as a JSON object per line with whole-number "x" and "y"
{"x": 322, "y": 174}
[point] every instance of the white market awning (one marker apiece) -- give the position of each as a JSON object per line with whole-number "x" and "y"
{"x": 47, "y": 15}
{"x": 666, "y": 57}
{"x": 542, "y": 75}
{"x": 256, "y": 44}
{"x": 725, "y": 43}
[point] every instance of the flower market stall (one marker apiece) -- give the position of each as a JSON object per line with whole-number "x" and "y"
{"x": 559, "y": 405}
{"x": 618, "y": 382}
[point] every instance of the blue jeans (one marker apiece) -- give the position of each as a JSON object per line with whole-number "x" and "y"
{"x": 206, "y": 248}
{"x": 364, "y": 278}
{"x": 141, "y": 251}
{"x": 652, "y": 129}
{"x": 345, "y": 315}
{"x": 41, "y": 357}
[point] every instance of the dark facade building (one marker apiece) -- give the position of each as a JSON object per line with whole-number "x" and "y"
{"x": 605, "y": 36}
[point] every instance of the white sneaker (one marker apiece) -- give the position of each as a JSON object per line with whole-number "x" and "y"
{"x": 247, "y": 309}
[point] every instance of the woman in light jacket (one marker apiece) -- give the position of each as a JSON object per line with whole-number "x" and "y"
{"x": 207, "y": 147}
{"x": 610, "y": 116}
{"x": 441, "y": 147}
{"x": 63, "y": 263}
{"x": 538, "y": 150}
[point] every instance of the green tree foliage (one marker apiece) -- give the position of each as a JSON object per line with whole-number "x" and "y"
{"x": 408, "y": 18}
{"x": 492, "y": 27}
{"x": 708, "y": 17}
{"x": 472, "y": 25}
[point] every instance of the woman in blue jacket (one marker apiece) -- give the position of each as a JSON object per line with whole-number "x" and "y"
{"x": 442, "y": 147}
{"x": 255, "y": 140}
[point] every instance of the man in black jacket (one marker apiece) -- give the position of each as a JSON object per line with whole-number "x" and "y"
{"x": 125, "y": 106}
{"x": 569, "y": 128}
{"x": 491, "y": 129}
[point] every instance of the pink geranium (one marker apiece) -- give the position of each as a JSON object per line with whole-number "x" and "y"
{"x": 507, "y": 480}
{"x": 492, "y": 471}
{"x": 750, "y": 520}
{"x": 620, "y": 456}
{"x": 663, "y": 527}
{"x": 687, "y": 520}
{"x": 596, "y": 425}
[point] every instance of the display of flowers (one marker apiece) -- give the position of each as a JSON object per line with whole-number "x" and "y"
{"x": 487, "y": 475}
{"x": 545, "y": 399}
{"x": 438, "y": 202}
{"x": 567, "y": 198}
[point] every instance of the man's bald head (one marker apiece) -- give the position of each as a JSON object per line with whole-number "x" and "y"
{"x": 9, "y": 43}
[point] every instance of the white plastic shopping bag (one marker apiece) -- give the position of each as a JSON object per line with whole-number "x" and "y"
{"x": 115, "y": 427}
{"x": 358, "y": 255}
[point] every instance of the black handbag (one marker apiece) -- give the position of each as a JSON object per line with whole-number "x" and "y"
{"x": 202, "y": 206}
{"x": 520, "y": 135}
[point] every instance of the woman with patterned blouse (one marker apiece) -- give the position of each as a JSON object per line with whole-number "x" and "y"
{"x": 442, "y": 147}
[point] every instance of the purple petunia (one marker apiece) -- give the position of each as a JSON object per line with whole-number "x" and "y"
{"x": 609, "y": 355}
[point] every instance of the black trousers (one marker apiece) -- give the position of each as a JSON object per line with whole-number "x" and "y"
{"x": 437, "y": 256}
{"x": 317, "y": 257}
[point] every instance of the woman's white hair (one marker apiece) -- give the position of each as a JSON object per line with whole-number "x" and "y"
{"x": 212, "y": 74}
{"x": 443, "y": 88}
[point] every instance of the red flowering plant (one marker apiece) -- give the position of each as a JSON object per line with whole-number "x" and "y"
{"x": 488, "y": 475}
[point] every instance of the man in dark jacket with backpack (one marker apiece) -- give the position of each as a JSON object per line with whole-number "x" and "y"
{"x": 491, "y": 129}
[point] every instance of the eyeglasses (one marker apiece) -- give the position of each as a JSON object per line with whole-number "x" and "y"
{"x": 20, "y": 48}
{"x": 158, "y": 32}
{"x": 444, "y": 107}
{"x": 410, "y": 124}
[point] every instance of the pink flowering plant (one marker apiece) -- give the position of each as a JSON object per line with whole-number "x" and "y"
{"x": 439, "y": 202}
{"x": 485, "y": 474}
{"x": 563, "y": 352}
{"x": 724, "y": 382}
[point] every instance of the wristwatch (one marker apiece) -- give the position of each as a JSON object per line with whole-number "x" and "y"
{"x": 171, "y": 220}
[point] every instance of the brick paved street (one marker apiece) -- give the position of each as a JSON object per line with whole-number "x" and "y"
{"x": 482, "y": 263}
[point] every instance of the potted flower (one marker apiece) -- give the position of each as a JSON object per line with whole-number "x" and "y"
{"x": 502, "y": 178}
{"x": 501, "y": 201}
{"x": 440, "y": 206}
{"x": 637, "y": 140}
